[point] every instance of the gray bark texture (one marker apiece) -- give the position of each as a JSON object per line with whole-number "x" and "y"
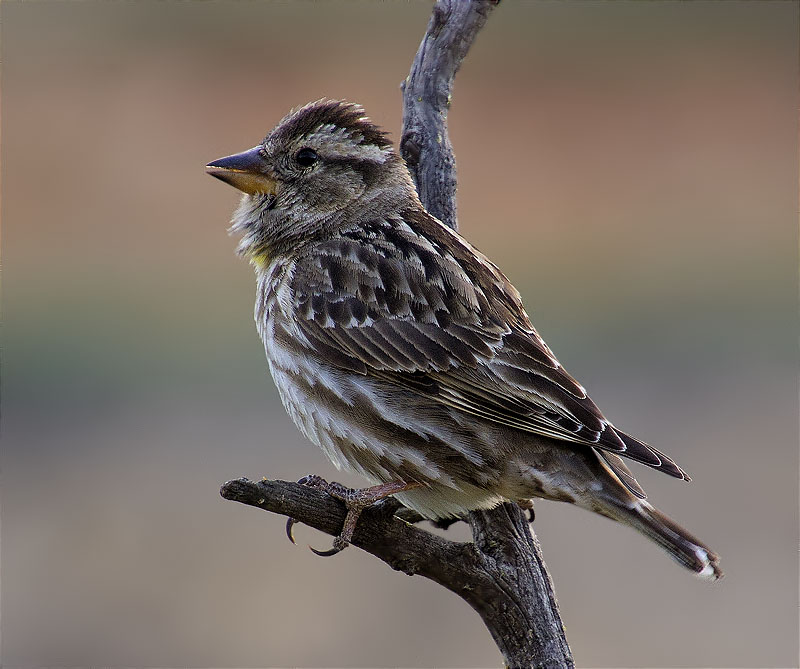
{"x": 501, "y": 574}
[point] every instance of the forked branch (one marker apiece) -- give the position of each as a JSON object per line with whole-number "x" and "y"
{"x": 500, "y": 574}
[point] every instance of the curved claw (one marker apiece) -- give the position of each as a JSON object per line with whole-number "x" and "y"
{"x": 327, "y": 553}
{"x": 339, "y": 544}
{"x": 289, "y": 524}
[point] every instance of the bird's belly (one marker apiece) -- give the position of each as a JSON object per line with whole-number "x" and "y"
{"x": 387, "y": 433}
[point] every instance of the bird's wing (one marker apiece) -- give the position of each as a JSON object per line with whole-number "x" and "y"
{"x": 441, "y": 320}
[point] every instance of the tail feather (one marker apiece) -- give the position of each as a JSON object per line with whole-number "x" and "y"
{"x": 681, "y": 546}
{"x": 648, "y": 455}
{"x": 624, "y": 474}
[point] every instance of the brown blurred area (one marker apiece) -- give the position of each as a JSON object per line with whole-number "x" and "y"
{"x": 632, "y": 166}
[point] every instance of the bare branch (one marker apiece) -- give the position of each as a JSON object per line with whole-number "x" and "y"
{"x": 520, "y": 609}
{"x": 424, "y": 142}
{"x": 400, "y": 544}
{"x": 482, "y": 573}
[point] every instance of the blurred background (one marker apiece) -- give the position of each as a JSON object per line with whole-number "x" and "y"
{"x": 631, "y": 166}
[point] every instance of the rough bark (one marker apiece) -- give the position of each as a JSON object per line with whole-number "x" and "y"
{"x": 501, "y": 574}
{"x": 424, "y": 142}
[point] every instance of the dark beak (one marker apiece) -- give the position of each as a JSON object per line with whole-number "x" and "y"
{"x": 248, "y": 171}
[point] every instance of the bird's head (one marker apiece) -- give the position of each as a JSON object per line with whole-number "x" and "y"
{"x": 323, "y": 165}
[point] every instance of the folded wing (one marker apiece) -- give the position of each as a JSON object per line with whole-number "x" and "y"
{"x": 452, "y": 328}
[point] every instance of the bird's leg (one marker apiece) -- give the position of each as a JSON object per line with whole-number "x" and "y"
{"x": 355, "y": 499}
{"x": 445, "y": 523}
{"x": 411, "y": 516}
{"x": 527, "y": 505}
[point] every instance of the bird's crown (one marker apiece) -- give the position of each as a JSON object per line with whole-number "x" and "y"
{"x": 329, "y": 117}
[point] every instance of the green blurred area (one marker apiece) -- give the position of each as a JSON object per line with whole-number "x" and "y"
{"x": 631, "y": 166}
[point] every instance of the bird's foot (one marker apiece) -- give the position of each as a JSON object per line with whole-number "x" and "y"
{"x": 355, "y": 499}
{"x": 527, "y": 505}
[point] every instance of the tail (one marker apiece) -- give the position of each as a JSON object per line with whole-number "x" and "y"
{"x": 682, "y": 546}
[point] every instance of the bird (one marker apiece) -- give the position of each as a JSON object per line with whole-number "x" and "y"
{"x": 406, "y": 354}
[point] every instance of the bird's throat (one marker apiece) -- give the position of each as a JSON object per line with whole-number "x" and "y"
{"x": 260, "y": 259}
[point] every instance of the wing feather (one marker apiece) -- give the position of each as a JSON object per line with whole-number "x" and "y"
{"x": 447, "y": 324}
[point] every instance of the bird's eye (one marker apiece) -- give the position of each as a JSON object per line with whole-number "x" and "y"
{"x": 306, "y": 157}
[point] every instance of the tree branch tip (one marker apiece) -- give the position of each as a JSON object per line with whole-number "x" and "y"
{"x": 229, "y": 489}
